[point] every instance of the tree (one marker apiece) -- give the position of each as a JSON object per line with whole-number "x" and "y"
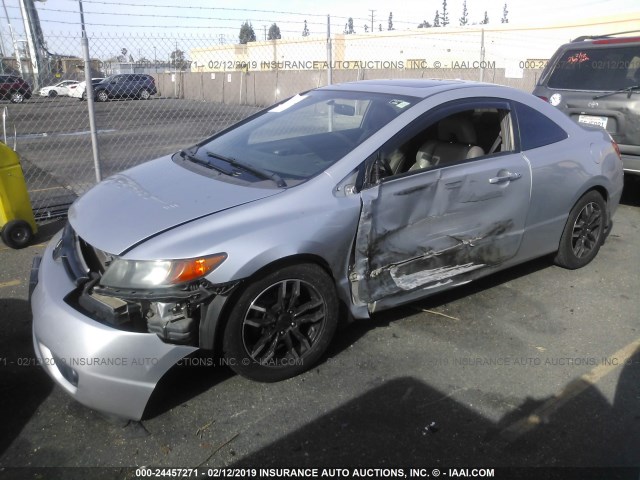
{"x": 348, "y": 27}
{"x": 305, "y": 30}
{"x": 485, "y": 20}
{"x": 464, "y": 19}
{"x": 436, "y": 19}
{"x": 379, "y": 27}
{"x": 444, "y": 18}
{"x": 505, "y": 12}
{"x": 390, "y": 21}
{"x": 177, "y": 60}
{"x": 247, "y": 34}
{"x": 274, "y": 32}
{"x": 366, "y": 28}
{"x": 424, "y": 24}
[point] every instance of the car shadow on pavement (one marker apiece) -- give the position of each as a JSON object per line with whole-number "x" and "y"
{"x": 405, "y": 423}
{"x": 192, "y": 376}
{"x": 23, "y": 383}
{"x": 47, "y": 230}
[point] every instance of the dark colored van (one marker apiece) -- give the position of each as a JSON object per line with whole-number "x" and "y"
{"x": 596, "y": 81}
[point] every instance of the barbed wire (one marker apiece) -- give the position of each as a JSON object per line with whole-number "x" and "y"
{"x": 232, "y": 9}
{"x": 155, "y": 15}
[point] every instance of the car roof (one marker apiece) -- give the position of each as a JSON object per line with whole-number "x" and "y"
{"x": 421, "y": 88}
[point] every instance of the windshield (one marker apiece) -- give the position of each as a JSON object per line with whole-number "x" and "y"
{"x": 600, "y": 69}
{"x": 305, "y": 135}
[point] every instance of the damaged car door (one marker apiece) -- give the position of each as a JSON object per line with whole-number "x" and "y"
{"x": 448, "y": 217}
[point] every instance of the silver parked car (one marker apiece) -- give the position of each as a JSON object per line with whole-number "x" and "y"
{"x": 348, "y": 199}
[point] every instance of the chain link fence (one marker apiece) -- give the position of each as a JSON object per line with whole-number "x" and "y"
{"x": 206, "y": 83}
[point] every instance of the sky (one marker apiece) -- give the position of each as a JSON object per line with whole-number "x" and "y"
{"x": 221, "y": 19}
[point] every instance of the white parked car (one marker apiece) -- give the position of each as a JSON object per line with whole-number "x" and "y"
{"x": 62, "y": 89}
{"x": 79, "y": 91}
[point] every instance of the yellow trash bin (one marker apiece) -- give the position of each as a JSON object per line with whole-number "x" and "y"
{"x": 16, "y": 215}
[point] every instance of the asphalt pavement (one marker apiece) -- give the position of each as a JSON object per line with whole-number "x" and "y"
{"x": 534, "y": 366}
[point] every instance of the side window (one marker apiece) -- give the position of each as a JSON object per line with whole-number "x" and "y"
{"x": 536, "y": 129}
{"x": 455, "y": 136}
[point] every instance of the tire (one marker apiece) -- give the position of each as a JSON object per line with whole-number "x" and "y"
{"x": 281, "y": 323}
{"x": 83, "y": 97}
{"x": 16, "y": 97}
{"x": 584, "y": 232}
{"x": 144, "y": 94}
{"x": 53, "y": 94}
{"x": 102, "y": 96}
{"x": 17, "y": 234}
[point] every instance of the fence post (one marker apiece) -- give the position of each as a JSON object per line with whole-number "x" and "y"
{"x": 89, "y": 91}
{"x": 482, "y": 54}
{"x": 329, "y": 60}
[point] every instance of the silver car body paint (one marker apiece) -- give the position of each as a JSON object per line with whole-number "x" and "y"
{"x": 160, "y": 192}
{"x": 118, "y": 370}
{"x": 467, "y": 228}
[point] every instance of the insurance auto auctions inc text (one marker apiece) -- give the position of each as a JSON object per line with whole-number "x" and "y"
{"x": 373, "y": 472}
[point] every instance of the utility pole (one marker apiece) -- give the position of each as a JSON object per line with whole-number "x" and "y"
{"x": 265, "y": 32}
{"x": 89, "y": 91}
{"x": 16, "y": 50}
{"x": 32, "y": 47}
{"x": 371, "y": 18}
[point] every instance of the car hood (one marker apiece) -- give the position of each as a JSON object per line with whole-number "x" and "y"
{"x": 141, "y": 202}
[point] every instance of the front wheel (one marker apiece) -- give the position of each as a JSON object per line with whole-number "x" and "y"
{"x": 281, "y": 324}
{"x": 53, "y": 94}
{"x": 584, "y": 232}
{"x": 102, "y": 96}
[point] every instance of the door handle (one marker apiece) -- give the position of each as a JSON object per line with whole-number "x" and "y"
{"x": 505, "y": 178}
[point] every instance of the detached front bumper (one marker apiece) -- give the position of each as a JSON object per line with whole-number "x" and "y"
{"x": 106, "y": 369}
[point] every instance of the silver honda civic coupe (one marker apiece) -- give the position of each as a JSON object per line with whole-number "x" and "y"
{"x": 334, "y": 204}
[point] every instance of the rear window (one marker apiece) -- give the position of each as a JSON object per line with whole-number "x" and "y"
{"x": 536, "y": 129}
{"x": 602, "y": 69}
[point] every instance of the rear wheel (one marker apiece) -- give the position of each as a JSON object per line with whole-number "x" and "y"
{"x": 17, "y": 234}
{"x": 281, "y": 324}
{"x": 17, "y": 97}
{"x": 144, "y": 94}
{"x": 584, "y": 232}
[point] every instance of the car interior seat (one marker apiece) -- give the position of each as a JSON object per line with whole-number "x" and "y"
{"x": 457, "y": 140}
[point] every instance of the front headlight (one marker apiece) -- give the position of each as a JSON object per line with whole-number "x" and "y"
{"x": 158, "y": 273}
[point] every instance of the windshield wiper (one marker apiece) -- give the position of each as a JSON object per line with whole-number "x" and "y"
{"x": 201, "y": 161}
{"x": 257, "y": 171}
{"x": 628, "y": 90}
